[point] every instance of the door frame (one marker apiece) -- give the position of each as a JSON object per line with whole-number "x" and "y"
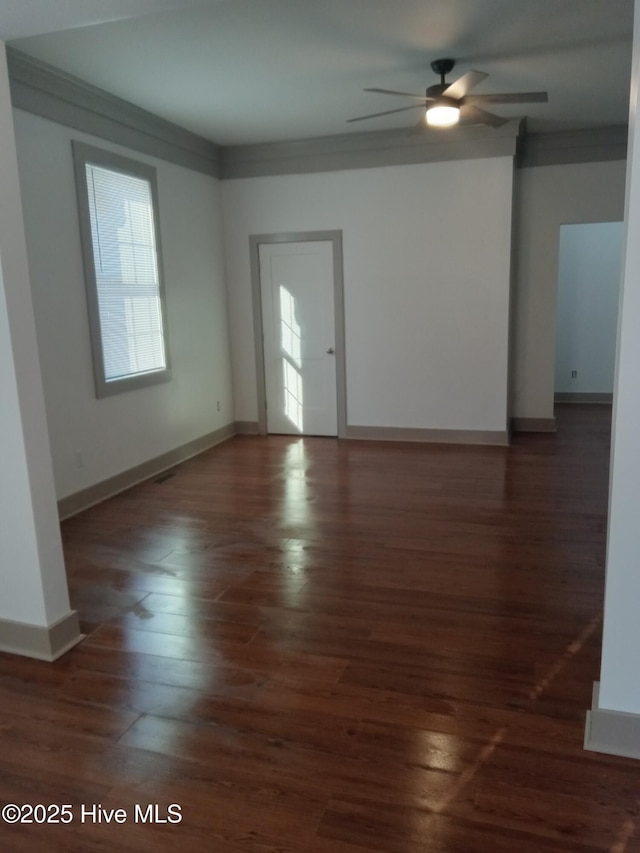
{"x": 335, "y": 238}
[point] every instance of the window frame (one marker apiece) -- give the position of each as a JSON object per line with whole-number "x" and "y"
{"x": 84, "y": 154}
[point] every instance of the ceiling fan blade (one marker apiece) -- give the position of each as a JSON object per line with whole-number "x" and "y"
{"x": 508, "y": 98}
{"x": 464, "y": 84}
{"x": 474, "y": 115}
{"x": 386, "y": 112}
{"x": 392, "y": 92}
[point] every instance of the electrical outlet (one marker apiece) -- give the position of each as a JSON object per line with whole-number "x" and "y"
{"x": 79, "y": 459}
{"x": 574, "y": 374}
{"x": 218, "y": 405}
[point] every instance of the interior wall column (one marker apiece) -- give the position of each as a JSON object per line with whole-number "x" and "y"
{"x": 613, "y": 724}
{"x": 35, "y": 616}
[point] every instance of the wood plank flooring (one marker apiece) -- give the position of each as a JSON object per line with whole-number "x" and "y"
{"x": 315, "y": 646}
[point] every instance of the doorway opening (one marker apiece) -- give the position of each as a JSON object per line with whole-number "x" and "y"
{"x": 589, "y": 274}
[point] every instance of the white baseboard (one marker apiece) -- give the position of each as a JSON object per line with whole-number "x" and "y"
{"x": 612, "y": 732}
{"x": 38, "y": 641}
{"x": 582, "y": 397}
{"x": 533, "y": 424}
{"x": 79, "y": 501}
{"x": 433, "y": 436}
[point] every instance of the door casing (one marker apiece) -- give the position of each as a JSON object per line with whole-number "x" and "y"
{"x": 335, "y": 237}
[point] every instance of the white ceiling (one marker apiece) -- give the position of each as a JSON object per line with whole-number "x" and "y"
{"x": 19, "y": 18}
{"x": 243, "y": 71}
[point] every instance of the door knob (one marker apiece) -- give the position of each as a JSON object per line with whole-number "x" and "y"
{"x": 330, "y": 351}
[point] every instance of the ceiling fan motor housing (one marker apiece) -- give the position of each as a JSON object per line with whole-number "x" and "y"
{"x": 435, "y": 93}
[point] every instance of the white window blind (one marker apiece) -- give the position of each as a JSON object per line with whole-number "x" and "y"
{"x": 120, "y": 238}
{"x": 127, "y": 283}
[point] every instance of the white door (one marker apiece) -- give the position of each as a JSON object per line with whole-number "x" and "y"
{"x": 296, "y": 287}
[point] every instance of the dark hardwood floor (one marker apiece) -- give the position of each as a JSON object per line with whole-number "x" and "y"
{"x": 315, "y": 646}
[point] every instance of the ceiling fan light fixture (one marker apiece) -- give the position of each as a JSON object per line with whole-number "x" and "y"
{"x": 446, "y": 103}
{"x": 442, "y": 114}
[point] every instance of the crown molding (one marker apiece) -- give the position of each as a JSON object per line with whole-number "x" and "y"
{"x": 573, "y": 146}
{"x": 397, "y": 147}
{"x": 50, "y": 93}
{"x": 367, "y": 150}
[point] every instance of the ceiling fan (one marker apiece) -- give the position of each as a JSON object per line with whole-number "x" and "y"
{"x": 447, "y": 104}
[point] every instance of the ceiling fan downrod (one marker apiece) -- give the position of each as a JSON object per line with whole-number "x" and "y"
{"x": 443, "y": 67}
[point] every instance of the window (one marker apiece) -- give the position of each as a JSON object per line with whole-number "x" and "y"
{"x": 117, "y": 200}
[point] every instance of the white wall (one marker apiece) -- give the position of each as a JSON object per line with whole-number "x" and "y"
{"x": 620, "y": 675}
{"x": 587, "y": 312}
{"x": 426, "y": 276}
{"x": 549, "y": 196}
{"x": 32, "y": 577}
{"x": 120, "y": 432}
